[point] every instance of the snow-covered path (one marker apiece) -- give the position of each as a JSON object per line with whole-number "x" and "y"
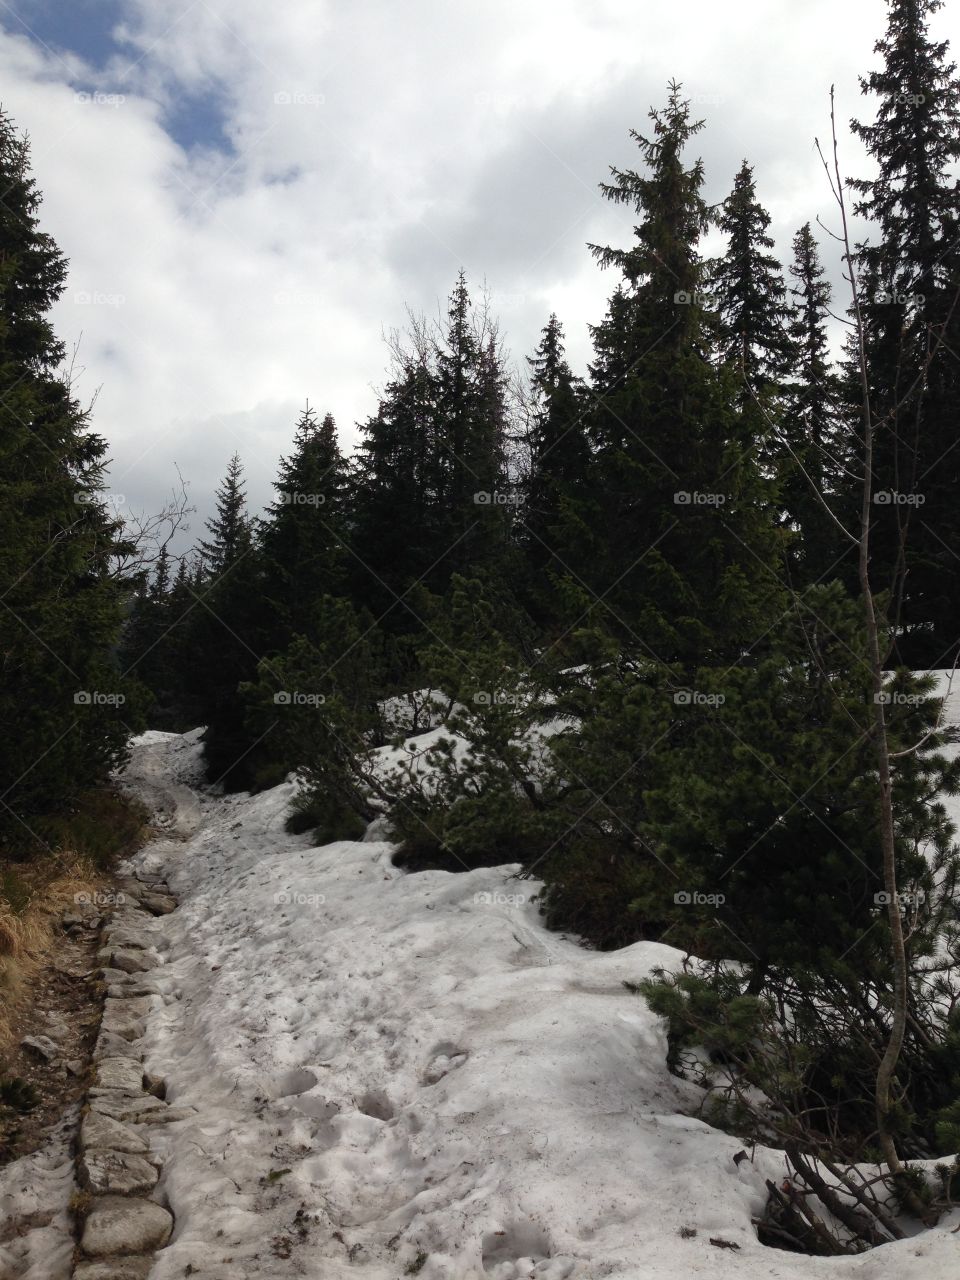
{"x": 407, "y": 1074}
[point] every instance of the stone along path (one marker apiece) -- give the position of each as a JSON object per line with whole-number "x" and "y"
{"x": 122, "y": 1221}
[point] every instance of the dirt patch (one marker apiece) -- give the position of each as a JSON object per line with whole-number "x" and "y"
{"x": 59, "y": 1023}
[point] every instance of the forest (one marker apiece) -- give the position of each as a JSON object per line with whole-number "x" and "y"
{"x": 672, "y": 633}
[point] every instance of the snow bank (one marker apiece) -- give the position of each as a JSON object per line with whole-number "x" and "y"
{"x": 407, "y": 1071}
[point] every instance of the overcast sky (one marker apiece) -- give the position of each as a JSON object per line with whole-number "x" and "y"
{"x": 250, "y": 193}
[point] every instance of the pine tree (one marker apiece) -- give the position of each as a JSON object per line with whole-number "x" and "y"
{"x": 468, "y": 454}
{"x": 224, "y": 632}
{"x": 395, "y": 535}
{"x": 818, "y": 466}
{"x": 157, "y": 646}
{"x": 910, "y": 285}
{"x": 66, "y": 709}
{"x": 302, "y": 535}
{"x": 688, "y": 562}
{"x": 161, "y": 577}
{"x": 749, "y": 294}
{"x": 557, "y": 474}
{"x": 432, "y": 467}
{"x": 230, "y": 528}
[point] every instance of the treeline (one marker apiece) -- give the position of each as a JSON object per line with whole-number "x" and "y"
{"x": 631, "y": 602}
{"x": 635, "y": 597}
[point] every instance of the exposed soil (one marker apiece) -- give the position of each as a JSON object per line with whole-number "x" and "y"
{"x": 64, "y": 1007}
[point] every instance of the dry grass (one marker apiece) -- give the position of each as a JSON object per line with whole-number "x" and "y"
{"x": 28, "y": 929}
{"x": 34, "y": 894}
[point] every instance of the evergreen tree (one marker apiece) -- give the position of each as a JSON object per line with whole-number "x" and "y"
{"x": 688, "y": 562}
{"x": 230, "y": 528}
{"x": 468, "y": 455}
{"x": 910, "y": 283}
{"x": 395, "y": 532}
{"x": 749, "y": 294}
{"x": 65, "y": 710}
{"x": 317, "y": 705}
{"x": 156, "y": 644}
{"x": 432, "y": 467}
{"x": 557, "y": 476}
{"x": 819, "y": 466}
{"x": 225, "y": 635}
{"x": 302, "y": 535}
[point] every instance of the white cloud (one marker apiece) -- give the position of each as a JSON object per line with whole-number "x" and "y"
{"x": 374, "y": 149}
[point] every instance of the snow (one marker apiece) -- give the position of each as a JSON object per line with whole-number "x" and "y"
{"x": 400, "y": 1070}
{"x": 36, "y": 1225}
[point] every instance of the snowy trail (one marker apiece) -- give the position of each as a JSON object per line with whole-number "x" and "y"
{"x": 407, "y": 1074}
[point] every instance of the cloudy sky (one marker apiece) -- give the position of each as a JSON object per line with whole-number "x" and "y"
{"x": 250, "y": 193}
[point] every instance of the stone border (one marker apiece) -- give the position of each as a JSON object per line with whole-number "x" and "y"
{"x": 120, "y": 1225}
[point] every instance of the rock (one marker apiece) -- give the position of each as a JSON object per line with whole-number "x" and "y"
{"x": 122, "y": 1225}
{"x": 129, "y": 884}
{"x": 167, "y": 1115}
{"x": 116, "y": 1173}
{"x": 125, "y": 1016}
{"x": 126, "y": 936}
{"x": 115, "y": 1269}
{"x": 132, "y": 914}
{"x": 160, "y": 904}
{"x": 124, "y": 1073}
{"x": 75, "y": 1067}
{"x": 58, "y": 1028}
{"x": 110, "y": 1045}
{"x": 82, "y": 911}
{"x": 99, "y": 1130}
{"x": 155, "y": 1085}
{"x": 123, "y": 986}
{"x": 131, "y": 960}
{"x": 132, "y": 1110}
{"x": 146, "y": 882}
{"x": 41, "y": 1046}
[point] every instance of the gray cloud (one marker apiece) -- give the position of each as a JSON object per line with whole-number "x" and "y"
{"x": 369, "y": 152}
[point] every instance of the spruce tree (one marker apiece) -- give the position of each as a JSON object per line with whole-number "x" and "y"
{"x": 818, "y": 465}
{"x": 557, "y": 471}
{"x": 230, "y": 528}
{"x": 395, "y": 535}
{"x": 429, "y": 491}
{"x": 156, "y": 645}
{"x": 910, "y": 284}
{"x": 225, "y": 633}
{"x": 302, "y": 535}
{"x": 687, "y": 563}
{"x": 468, "y": 454}
{"x": 748, "y": 293}
{"x": 66, "y": 711}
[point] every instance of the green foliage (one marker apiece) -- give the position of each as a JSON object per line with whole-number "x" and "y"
{"x": 558, "y": 464}
{"x": 429, "y": 490}
{"x": 318, "y": 703}
{"x": 302, "y": 535}
{"x": 59, "y": 540}
{"x": 818, "y": 459}
{"x": 100, "y": 826}
{"x": 749, "y": 295}
{"x": 480, "y": 805}
{"x": 910, "y": 271}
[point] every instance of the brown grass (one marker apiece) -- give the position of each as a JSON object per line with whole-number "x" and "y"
{"x": 35, "y": 894}
{"x": 28, "y": 933}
